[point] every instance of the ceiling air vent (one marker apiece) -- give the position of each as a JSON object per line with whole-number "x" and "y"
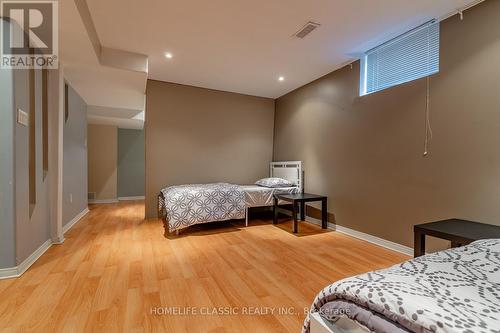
{"x": 306, "y": 29}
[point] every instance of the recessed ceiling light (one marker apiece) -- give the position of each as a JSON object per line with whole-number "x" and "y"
{"x": 168, "y": 55}
{"x": 281, "y": 78}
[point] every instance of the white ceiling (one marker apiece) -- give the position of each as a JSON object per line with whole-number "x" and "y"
{"x": 114, "y": 96}
{"x": 243, "y": 46}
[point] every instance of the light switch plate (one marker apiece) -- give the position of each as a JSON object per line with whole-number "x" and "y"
{"x": 22, "y": 117}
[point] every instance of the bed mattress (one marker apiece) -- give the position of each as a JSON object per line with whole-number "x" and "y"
{"x": 370, "y": 321}
{"x": 185, "y": 205}
{"x": 258, "y": 196}
{"x": 451, "y": 291}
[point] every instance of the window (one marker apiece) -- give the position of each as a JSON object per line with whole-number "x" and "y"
{"x": 408, "y": 57}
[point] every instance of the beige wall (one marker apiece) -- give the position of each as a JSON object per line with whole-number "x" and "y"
{"x": 365, "y": 153}
{"x": 102, "y": 160}
{"x": 196, "y": 135}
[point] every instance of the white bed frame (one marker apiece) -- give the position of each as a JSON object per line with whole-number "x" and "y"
{"x": 289, "y": 170}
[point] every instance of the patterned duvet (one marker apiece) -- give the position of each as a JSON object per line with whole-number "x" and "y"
{"x": 186, "y": 205}
{"x": 457, "y": 290}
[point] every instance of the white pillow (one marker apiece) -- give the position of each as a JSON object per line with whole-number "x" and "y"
{"x": 273, "y": 182}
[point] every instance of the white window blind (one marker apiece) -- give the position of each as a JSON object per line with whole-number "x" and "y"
{"x": 408, "y": 57}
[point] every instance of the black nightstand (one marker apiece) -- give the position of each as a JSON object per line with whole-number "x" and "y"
{"x": 301, "y": 199}
{"x": 459, "y": 232}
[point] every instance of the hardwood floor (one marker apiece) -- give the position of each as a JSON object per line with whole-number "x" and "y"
{"x": 117, "y": 273}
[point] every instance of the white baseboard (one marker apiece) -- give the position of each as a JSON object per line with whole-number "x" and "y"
{"x": 366, "y": 237}
{"x": 17, "y": 271}
{"x": 131, "y": 198}
{"x": 77, "y": 218}
{"x": 13, "y": 272}
{"x": 8, "y": 273}
{"x": 58, "y": 240}
{"x": 103, "y": 201}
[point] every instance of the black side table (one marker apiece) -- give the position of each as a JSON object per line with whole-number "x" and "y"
{"x": 301, "y": 199}
{"x": 459, "y": 232}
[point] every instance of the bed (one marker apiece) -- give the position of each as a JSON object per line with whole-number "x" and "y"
{"x": 181, "y": 206}
{"x": 456, "y": 290}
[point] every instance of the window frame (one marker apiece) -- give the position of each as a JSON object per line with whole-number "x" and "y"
{"x": 363, "y": 84}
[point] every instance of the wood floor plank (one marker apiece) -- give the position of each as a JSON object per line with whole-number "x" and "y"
{"x": 116, "y": 269}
